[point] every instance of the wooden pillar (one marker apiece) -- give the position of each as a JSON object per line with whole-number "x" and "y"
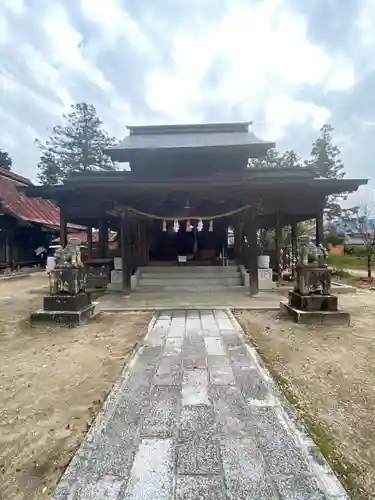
{"x": 319, "y": 228}
{"x": 89, "y": 241}
{"x": 250, "y": 231}
{"x": 294, "y": 236}
{"x": 9, "y": 249}
{"x": 126, "y": 252}
{"x": 278, "y": 243}
{"x": 103, "y": 238}
{"x": 63, "y": 229}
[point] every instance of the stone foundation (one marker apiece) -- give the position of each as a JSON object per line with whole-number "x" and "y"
{"x": 64, "y": 318}
{"x": 64, "y": 309}
{"x": 315, "y": 317}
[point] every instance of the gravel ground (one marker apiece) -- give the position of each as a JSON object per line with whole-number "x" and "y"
{"x": 329, "y": 373}
{"x": 53, "y": 381}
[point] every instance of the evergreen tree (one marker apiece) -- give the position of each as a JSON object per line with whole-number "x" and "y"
{"x": 77, "y": 145}
{"x": 290, "y": 159}
{"x": 5, "y": 160}
{"x": 326, "y": 159}
{"x": 272, "y": 159}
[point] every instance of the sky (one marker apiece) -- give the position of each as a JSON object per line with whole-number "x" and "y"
{"x": 287, "y": 65}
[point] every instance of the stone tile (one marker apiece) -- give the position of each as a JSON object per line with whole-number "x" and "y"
{"x": 214, "y": 346}
{"x": 220, "y": 371}
{"x": 193, "y": 347}
{"x": 194, "y": 362}
{"x": 177, "y": 331}
{"x": 281, "y": 452}
{"x": 245, "y": 474}
{"x": 169, "y": 371}
{"x": 225, "y": 324}
{"x": 195, "y": 388}
{"x": 151, "y": 476}
{"x": 199, "y": 488}
{"x": 230, "y": 412}
{"x": 299, "y": 488}
{"x": 173, "y": 346}
{"x": 196, "y": 421}
{"x": 192, "y": 313}
{"x": 198, "y": 456}
{"x": 253, "y": 387}
{"x": 108, "y": 487}
{"x": 111, "y": 455}
{"x": 161, "y": 417}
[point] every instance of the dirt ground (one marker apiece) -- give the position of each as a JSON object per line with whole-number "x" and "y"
{"x": 329, "y": 374}
{"x": 53, "y": 381}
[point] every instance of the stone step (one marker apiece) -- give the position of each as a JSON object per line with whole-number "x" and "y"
{"x": 187, "y": 281}
{"x": 191, "y": 276}
{"x": 187, "y": 288}
{"x": 188, "y": 270}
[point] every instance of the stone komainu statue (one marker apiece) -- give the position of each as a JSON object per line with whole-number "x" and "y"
{"x": 313, "y": 274}
{"x": 69, "y": 275}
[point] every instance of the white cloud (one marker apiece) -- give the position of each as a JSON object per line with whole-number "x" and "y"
{"x": 281, "y": 110}
{"x": 15, "y": 6}
{"x": 264, "y": 49}
{"x": 115, "y": 22}
{"x": 3, "y": 29}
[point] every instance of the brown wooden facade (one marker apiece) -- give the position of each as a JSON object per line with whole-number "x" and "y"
{"x": 192, "y": 173}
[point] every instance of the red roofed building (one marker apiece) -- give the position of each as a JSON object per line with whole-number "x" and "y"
{"x": 25, "y": 223}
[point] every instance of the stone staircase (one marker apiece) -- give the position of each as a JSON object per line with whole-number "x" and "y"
{"x": 189, "y": 278}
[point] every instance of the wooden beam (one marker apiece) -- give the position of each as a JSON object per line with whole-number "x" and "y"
{"x": 126, "y": 252}
{"x": 250, "y": 231}
{"x": 294, "y": 237}
{"x": 319, "y": 228}
{"x": 278, "y": 243}
{"x": 103, "y": 237}
{"x": 63, "y": 229}
{"x": 89, "y": 241}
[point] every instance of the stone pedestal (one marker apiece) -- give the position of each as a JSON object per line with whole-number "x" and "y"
{"x": 265, "y": 280}
{"x": 314, "y": 309}
{"x": 98, "y": 273}
{"x": 116, "y": 280}
{"x": 64, "y": 309}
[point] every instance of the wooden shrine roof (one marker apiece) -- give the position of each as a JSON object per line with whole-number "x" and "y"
{"x": 166, "y": 139}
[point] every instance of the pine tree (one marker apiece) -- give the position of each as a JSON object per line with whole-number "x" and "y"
{"x": 272, "y": 159}
{"x": 326, "y": 159}
{"x": 78, "y": 145}
{"x": 5, "y": 160}
{"x": 290, "y": 159}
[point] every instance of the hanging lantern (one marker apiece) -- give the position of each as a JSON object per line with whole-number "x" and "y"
{"x": 164, "y": 229}
{"x": 211, "y": 226}
{"x": 188, "y": 226}
{"x": 176, "y": 226}
{"x": 200, "y": 225}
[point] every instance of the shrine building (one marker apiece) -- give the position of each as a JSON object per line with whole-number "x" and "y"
{"x": 187, "y": 184}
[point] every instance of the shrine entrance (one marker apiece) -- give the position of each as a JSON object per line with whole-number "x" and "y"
{"x": 195, "y": 240}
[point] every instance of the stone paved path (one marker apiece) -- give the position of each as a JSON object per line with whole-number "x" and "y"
{"x": 196, "y": 416}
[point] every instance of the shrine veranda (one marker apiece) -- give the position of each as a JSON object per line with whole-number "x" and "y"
{"x": 186, "y": 185}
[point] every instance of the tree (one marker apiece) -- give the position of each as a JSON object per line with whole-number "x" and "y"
{"x": 78, "y": 145}
{"x": 5, "y": 160}
{"x": 326, "y": 159}
{"x": 290, "y": 159}
{"x": 272, "y": 159}
{"x": 334, "y": 238}
{"x": 364, "y": 224}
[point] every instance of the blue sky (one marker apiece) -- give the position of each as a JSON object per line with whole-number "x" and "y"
{"x": 288, "y": 65}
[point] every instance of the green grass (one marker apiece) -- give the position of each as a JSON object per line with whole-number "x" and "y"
{"x": 347, "y": 261}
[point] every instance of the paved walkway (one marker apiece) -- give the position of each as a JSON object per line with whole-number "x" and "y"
{"x": 196, "y": 416}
